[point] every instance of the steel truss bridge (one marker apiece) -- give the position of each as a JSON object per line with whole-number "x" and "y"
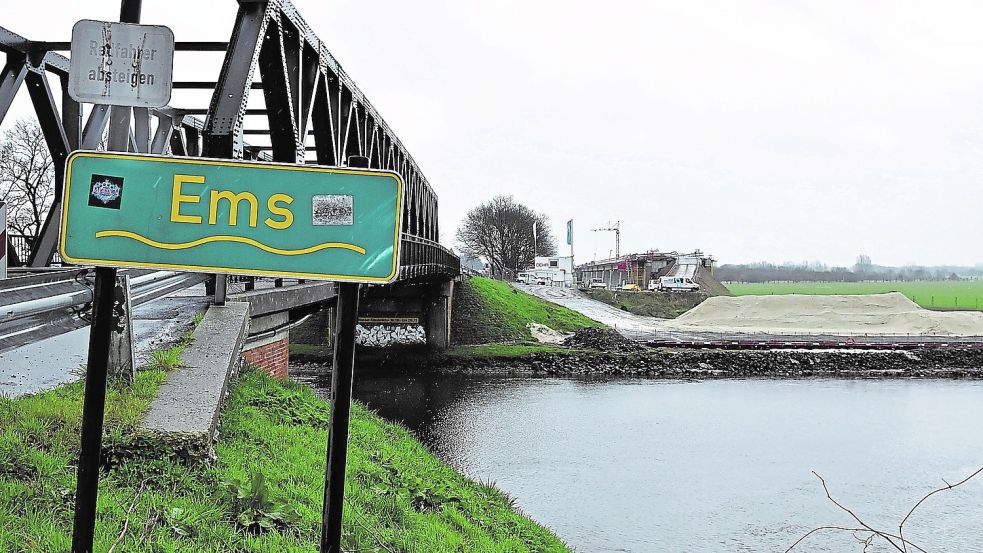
{"x": 314, "y": 114}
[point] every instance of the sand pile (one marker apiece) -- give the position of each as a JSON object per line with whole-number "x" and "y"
{"x": 884, "y": 314}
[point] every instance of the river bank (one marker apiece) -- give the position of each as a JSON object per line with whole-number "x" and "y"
{"x": 686, "y": 363}
{"x": 263, "y": 492}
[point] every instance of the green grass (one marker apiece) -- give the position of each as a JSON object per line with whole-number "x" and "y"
{"x": 262, "y": 494}
{"x": 964, "y": 294}
{"x": 487, "y": 310}
{"x": 649, "y": 304}
{"x": 166, "y": 359}
{"x": 504, "y": 350}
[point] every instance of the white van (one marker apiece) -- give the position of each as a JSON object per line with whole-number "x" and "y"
{"x": 522, "y": 278}
{"x": 674, "y": 284}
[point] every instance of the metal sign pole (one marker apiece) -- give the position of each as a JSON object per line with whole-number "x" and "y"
{"x": 97, "y": 369}
{"x": 87, "y": 489}
{"x": 342, "y": 375}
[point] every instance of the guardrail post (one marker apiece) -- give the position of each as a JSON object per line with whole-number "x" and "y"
{"x": 221, "y": 288}
{"x": 3, "y": 240}
{"x": 121, "y": 367}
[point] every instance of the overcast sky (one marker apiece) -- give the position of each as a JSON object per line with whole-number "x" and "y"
{"x": 780, "y": 131}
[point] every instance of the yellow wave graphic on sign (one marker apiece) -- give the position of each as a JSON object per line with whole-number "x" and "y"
{"x": 223, "y": 238}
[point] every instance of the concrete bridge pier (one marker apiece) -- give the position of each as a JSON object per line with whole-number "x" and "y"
{"x": 438, "y": 316}
{"x": 421, "y": 302}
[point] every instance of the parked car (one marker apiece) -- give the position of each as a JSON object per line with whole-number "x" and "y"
{"x": 596, "y": 283}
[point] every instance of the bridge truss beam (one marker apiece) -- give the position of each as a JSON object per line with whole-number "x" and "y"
{"x": 306, "y": 94}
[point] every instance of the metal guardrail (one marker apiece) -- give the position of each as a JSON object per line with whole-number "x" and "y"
{"x": 23, "y": 246}
{"x": 38, "y": 305}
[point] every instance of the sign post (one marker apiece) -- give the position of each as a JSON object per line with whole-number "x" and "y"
{"x": 342, "y": 378}
{"x": 93, "y": 78}
{"x": 192, "y": 214}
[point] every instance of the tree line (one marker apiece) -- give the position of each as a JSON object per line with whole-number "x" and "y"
{"x": 768, "y": 272}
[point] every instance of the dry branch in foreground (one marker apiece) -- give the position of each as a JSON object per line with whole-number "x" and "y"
{"x": 866, "y": 534}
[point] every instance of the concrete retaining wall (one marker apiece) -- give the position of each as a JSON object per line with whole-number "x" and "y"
{"x": 184, "y": 416}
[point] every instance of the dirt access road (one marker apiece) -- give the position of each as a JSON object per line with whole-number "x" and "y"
{"x": 636, "y": 327}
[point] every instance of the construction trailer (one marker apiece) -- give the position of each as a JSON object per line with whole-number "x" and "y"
{"x": 552, "y": 271}
{"x": 639, "y": 269}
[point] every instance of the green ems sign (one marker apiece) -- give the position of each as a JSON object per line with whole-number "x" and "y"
{"x": 136, "y": 210}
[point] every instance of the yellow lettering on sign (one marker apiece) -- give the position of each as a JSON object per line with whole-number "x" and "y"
{"x": 288, "y": 216}
{"x": 234, "y": 200}
{"x": 177, "y": 198}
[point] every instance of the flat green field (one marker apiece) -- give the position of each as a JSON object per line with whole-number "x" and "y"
{"x": 963, "y": 294}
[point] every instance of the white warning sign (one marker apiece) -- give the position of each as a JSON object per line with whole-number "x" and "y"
{"x": 121, "y": 64}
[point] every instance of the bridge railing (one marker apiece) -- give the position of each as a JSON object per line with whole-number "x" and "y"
{"x": 22, "y": 245}
{"x": 421, "y": 257}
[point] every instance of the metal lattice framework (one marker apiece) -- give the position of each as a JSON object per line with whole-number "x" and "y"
{"x": 30, "y": 63}
{"x": 306, "y": 94}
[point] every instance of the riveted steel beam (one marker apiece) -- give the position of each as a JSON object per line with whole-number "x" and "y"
{"x": 276, "y": 77}
{"x": 228, "y": 104}
{"x": 10, "y": 81}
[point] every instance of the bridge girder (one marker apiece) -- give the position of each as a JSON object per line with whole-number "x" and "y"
{"x": 306, "y": 93}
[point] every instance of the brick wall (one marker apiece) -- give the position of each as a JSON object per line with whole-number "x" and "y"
{"x": 273, "y": 356}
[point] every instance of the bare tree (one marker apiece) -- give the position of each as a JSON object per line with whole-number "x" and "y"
{"x": 863, "y": 264}
{"x": 27, "y": 182}
{"x": 501, "y": 230}
{"x": 866, "y": 534}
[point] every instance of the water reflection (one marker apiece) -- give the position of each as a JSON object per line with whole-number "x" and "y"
{"x": 649, "y": 465}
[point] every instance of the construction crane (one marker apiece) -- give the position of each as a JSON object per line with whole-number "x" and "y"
{"x": 616, "y": 227}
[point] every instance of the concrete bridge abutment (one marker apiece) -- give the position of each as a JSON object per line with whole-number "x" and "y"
{"x": 438, "y": 316}
{"x": 427, "y": 304}
{"x": 269, "y": 347}
{"x": 423, "y": 303}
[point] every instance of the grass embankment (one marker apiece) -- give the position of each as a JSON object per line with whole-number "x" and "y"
{"x": 964, "y": 294}
{"x": 262, "y": 494}
{"x": 490, "y": 311}
{"x": 504, "y": 350}
{"x": 665, "y": 305}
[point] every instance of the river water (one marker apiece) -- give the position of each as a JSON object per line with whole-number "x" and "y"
{"x": 654, "y": 465}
